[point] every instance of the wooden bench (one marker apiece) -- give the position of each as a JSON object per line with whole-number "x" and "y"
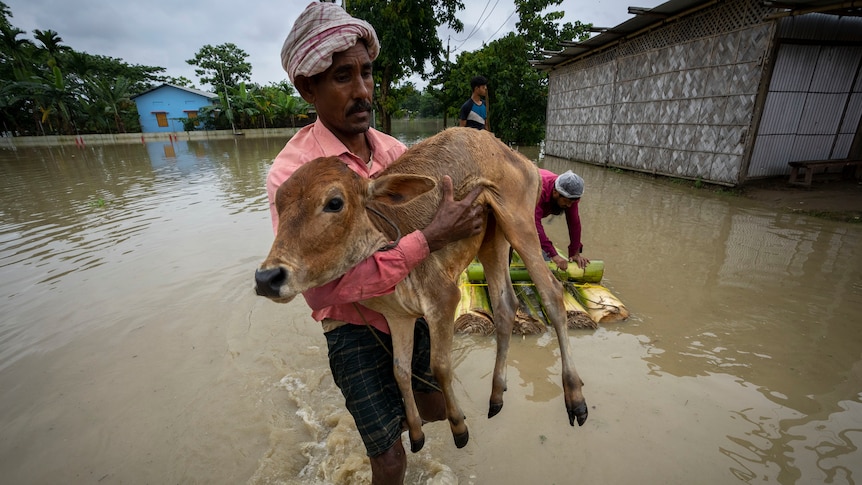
{"x": 810, "y": 165}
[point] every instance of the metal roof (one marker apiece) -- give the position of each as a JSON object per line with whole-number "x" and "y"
{"x": 651, "y": 18}
{"x": 205, "y": 94}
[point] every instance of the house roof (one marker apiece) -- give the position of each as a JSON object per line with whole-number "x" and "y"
{"x": 648, "y": 18}
{"x": 189, "y": 90}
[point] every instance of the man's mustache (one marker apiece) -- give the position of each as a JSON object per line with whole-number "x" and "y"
{"x": 360, "y": 106}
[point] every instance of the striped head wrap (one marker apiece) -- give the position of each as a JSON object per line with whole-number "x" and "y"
{"x": 321, "y": 30}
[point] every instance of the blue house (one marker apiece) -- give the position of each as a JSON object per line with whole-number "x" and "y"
{"x": 162, "y": 108}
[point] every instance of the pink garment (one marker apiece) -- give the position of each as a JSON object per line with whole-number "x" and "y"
{"x": 321, "y": 30}
{"x": 377, "y": 275}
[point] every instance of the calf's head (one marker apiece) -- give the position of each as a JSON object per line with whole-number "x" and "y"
{"x": 323, "y": 225}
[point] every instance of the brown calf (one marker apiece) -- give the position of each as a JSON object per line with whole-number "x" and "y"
{"x": 326, "y": 226}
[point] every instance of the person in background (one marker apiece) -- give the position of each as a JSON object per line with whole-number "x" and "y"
{"x": 474, "y": 112}
{"x": 328, "y": 56}
{"x": 561, "y": 194}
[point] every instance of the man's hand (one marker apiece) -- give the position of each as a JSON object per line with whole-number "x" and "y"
{"x": 454, "y": 220}
{"x": 561, "y": 262}
{"x": 582, "y": 261}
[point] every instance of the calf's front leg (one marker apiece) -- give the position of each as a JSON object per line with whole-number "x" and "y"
{"x": 401, "y": 330}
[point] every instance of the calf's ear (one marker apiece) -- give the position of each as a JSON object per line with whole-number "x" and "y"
{"x": 399, "y": 188}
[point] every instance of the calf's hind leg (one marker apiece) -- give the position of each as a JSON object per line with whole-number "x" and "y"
{"x": 551, "y": 292}
{"x": 494, "y": 256}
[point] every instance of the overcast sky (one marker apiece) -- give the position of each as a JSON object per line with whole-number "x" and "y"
{"x": 165, "y": 33}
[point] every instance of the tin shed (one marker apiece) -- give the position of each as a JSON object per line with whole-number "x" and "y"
{"x": 719, "y": 91}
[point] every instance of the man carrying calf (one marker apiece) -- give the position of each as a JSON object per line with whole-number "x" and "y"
{"x": 328, "y": 56}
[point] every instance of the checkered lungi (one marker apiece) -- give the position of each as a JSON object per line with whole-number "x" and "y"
{"x": 362, "y": 369}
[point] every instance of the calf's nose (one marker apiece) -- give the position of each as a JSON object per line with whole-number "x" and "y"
{"x": 268, "y": 281}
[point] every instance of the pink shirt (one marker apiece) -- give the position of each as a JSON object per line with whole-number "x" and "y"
{"x": 378, "y": 274}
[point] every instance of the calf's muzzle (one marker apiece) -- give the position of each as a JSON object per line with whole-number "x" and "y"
{"x": 267, "y": 282}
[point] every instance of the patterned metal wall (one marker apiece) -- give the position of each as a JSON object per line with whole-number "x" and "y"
{"x": 676, "y": 101}
{"x": 814, "y": 101}
{"x": 683, "y": 99}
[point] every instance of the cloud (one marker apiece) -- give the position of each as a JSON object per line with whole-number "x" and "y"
{"x": 165, "y": 33}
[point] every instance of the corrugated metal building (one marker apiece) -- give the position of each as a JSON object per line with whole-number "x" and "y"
{"x": 720, "y": 91}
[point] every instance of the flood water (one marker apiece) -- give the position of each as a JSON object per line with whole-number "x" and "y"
{"x": 133, "y": 349}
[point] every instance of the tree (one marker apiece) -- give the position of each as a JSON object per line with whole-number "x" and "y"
{"x": 47, "y": 87}
{"x": 113, "y": 94}
{"x": 517, "y": 93}
{"x": 5, "y": 13}
{"x": 519, "y": 98}
{"x": 287, "y": 108}
{"x": 246, "y": 103}
{"x": 221, "y": 66}
{"x": 429, "y": 104}
{"x": 543, "y": 32}
{"x": 412, "y": 100}
{"x": 51, "y": 43}
{"x": 407, "y": 30}
{"x": 53, "y": 101}
{"x": 16, "y": 53}
{"x": 180, "y": 81}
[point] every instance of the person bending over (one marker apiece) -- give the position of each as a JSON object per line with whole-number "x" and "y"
{"x": 561, "y": 194}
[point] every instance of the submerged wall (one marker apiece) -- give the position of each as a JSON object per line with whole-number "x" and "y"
{"x": 124, "y": 138}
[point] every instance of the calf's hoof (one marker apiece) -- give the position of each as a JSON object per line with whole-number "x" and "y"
{"x": 494, "y": 409}
{"x": 580, "y": 412}
{"x": 461, "y": 439}
{"x": 416, "y": 445}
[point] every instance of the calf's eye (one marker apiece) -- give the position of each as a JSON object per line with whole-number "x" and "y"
{"x": 334, "y": 205}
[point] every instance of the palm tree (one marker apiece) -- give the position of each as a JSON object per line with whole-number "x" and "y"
{"x": 16, "y": 51}
{"x": 51, "y": 41}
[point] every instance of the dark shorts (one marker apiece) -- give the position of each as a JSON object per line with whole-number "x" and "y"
{"x": 362, "y": 369}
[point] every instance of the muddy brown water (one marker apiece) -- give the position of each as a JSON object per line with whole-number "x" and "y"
{"x": 133, "y": 350}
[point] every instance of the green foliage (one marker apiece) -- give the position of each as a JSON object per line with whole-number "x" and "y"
{"x": 411, "y": 100}
{"x": 429, "y": 103}
{"x": 517, "y": 93}
{"x": 112, "y": 95}
{"x": 180, "y": 81}
{"x": 222, "y": 66}
{"x": 47, "y": 87}
{"x": 254, "y": 106}
{"x": 407, "y": 30}
{"x": 542, "y": 32}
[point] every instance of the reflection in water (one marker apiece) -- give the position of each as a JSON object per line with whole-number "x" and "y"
{"x": 723, "y": 287}
{"x": 68, "y": 211}
{"x": 128, "y": 322}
